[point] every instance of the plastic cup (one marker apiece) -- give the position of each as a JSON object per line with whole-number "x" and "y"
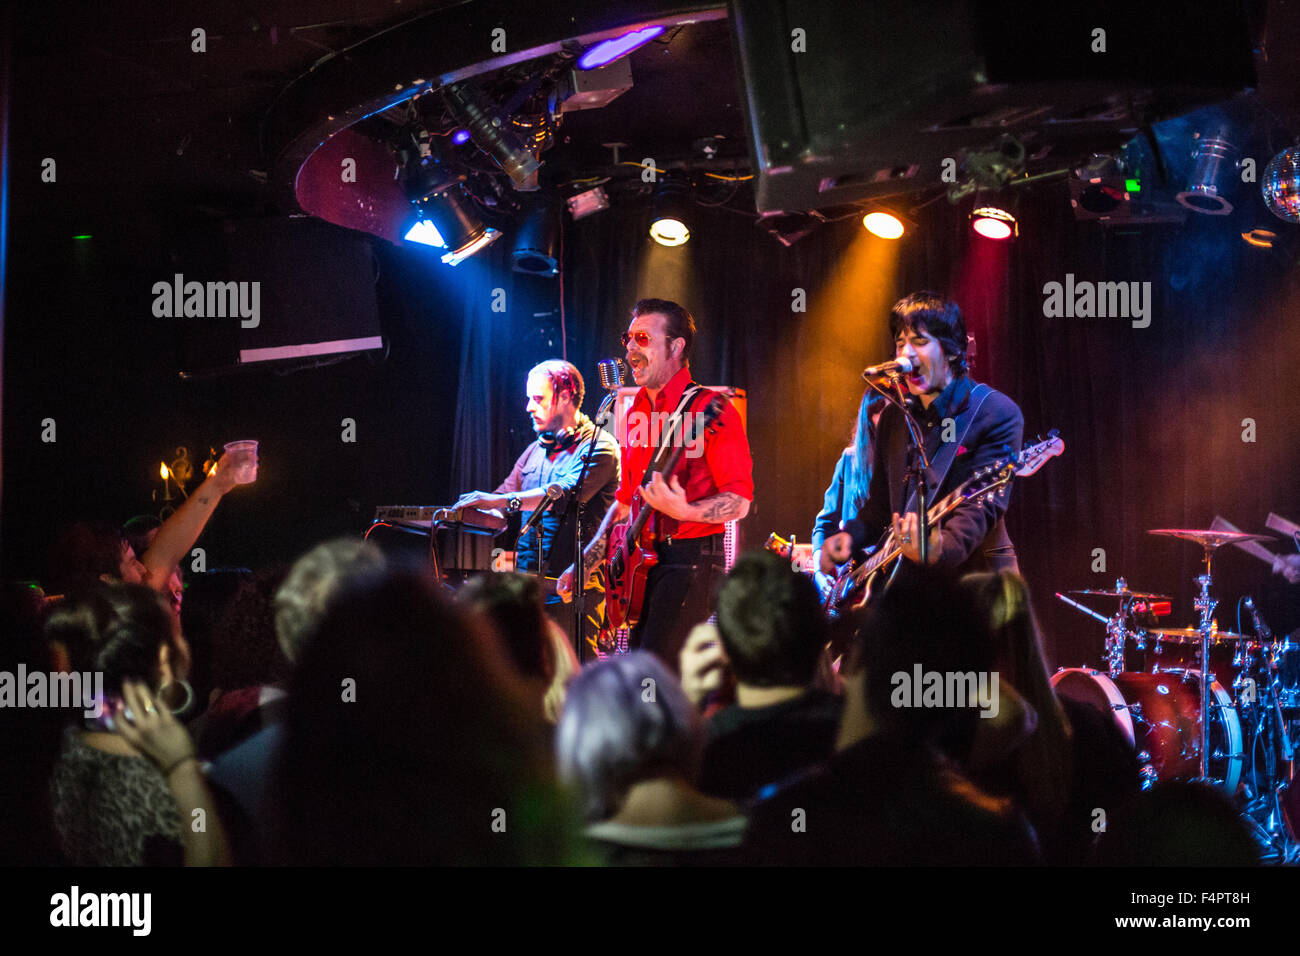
{"x": 244, "y": 456}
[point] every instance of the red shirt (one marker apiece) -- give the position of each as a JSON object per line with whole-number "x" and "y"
{"x": 724, "y": 465}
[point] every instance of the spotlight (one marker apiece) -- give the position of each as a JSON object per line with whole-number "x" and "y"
{"x": 534, "y": 251}
{"x": 670, "y": 220}
{"x": 425, "y": 233}
{"x": 610, "y": 50}
{"x": 1260, "y": 238}
{"x": 493, "y": 134}
{"x": 883, "y": 224}
{"x": 460, "y": 137}
{"x": 1281, "y": 184}
{"x": 1202, "y": 192}
{"x": 994, "y": 220}
{"x": 449, "y": 217}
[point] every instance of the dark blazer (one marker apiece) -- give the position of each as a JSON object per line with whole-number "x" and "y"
{"x": 975, "y": 535}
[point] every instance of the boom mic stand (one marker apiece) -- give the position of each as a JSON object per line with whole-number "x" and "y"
{"x": 579, "y": 559}
{"x": 919, "y": 467}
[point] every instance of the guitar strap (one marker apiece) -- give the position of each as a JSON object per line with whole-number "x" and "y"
{"x": 943, "y": 461}
{"x": 667, "y": 435}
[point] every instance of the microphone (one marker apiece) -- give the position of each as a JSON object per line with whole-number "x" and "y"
{"x": 611, "y": 373}
{"x": 1261, "y": 629}
{"x": 899, "y": 366}
{"x": 553, "y": 493}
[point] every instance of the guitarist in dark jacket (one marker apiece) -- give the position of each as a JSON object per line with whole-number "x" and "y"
{"x": 929, "y": 331}
{"x": 711, "y": 484}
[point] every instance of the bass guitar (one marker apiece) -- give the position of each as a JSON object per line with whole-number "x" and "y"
{"x": 855, "y": 583}
{"x": 631, "y": 544}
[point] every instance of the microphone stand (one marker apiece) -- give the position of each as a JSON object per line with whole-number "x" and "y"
{"x": 919, "y": 468}
{"x": 579, "y": 572}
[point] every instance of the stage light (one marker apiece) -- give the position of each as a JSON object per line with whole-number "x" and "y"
{"x": 883, "y": 224}
{"x": 449, "y": 216}
{"x": 425, "y": 233}
{"x": 535, "y": 243}
{"x": 610, "y": 50}
{"x": 1260, "y": 238}
{"x": 493, "y": 134}
{"x": 460, "y": 137}
{"x": 1281, "y": 184}
{"x": 994, "y": 222}
{"x": 1212, "y": 153}
{"x": 670, "y": 220}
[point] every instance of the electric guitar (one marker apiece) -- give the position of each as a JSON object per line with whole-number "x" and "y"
{"x": 631, "y": 544}
{"x": 855, "y": 583}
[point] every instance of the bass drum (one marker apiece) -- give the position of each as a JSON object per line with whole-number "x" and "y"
{"x": 1159, "y": 714}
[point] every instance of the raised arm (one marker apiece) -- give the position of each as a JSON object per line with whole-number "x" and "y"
{"x": 179, "y": 532}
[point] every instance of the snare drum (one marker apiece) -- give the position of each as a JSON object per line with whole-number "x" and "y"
{"x": 1160, "y": 715}
{"x": 1157, "y": 650}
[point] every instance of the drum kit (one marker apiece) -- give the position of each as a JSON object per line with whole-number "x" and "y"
{"x": 1191, "y": 721}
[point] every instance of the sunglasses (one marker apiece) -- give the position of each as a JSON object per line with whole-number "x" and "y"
{"x": 642, "y": 339}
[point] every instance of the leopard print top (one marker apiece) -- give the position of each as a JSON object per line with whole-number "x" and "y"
{"x": 113, "y": 810}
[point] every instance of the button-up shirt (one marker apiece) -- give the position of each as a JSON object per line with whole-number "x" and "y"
{"x": 538, "y": 467}
{"x": 724, "y": 465}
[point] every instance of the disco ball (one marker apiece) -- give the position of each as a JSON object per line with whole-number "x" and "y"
{"x": 1281, "y": 185}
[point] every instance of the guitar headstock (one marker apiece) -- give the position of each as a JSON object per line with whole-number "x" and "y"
{"x": 1035, "y": 456}
{"x": 994, "y": 478}
{"x": 780, "y": 546}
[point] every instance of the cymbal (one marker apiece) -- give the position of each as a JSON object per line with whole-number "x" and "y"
{"x": 1211, "y": 539}
{"x": 1189, "y": 635}
{"x": 1141, "y": 595}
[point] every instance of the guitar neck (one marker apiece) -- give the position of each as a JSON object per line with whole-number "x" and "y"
{"x": 891, "y": 550}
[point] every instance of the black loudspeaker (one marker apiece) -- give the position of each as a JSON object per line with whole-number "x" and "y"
{"x": 314, "y": 294}
{"x": 845, "y": 101}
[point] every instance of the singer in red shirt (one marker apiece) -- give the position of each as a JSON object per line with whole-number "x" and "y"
{"x": 711, "y": 484}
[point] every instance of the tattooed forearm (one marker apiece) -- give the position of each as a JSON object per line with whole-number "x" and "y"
{"x": 726, "y": 506}
{"x": 594, "y": 553}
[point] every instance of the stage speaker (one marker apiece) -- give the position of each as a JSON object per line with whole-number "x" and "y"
{"x": 286, "y": 291}
{"x": 845, "y": 101}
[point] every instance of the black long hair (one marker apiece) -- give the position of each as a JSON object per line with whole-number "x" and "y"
{"x": 857, "y": 478}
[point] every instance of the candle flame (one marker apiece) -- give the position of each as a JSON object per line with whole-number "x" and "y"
{"x": 163, "y": 472}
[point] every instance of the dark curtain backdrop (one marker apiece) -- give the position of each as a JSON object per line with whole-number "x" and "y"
{"x": 1152, "y": 417}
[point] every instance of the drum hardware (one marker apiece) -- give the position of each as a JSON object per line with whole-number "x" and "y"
{"x": 1205, "y": 604}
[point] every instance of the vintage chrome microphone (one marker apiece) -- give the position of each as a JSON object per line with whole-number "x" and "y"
{"x": 611, "y": 380}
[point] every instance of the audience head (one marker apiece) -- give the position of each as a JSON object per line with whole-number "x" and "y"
{"x": 124, "y": 631}
{"x": 1002, "y": 599}
{"x": 771, "y": 622}
{"x": 89, "y": 553}
{"x": 405, "y": 735}
{"x": 140, "y": 532}
{"x": 314, "y": 581}
{"x": 924, "y": 618}
{"x": 626, "y": 719}
{"x": 512, "y": 603}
